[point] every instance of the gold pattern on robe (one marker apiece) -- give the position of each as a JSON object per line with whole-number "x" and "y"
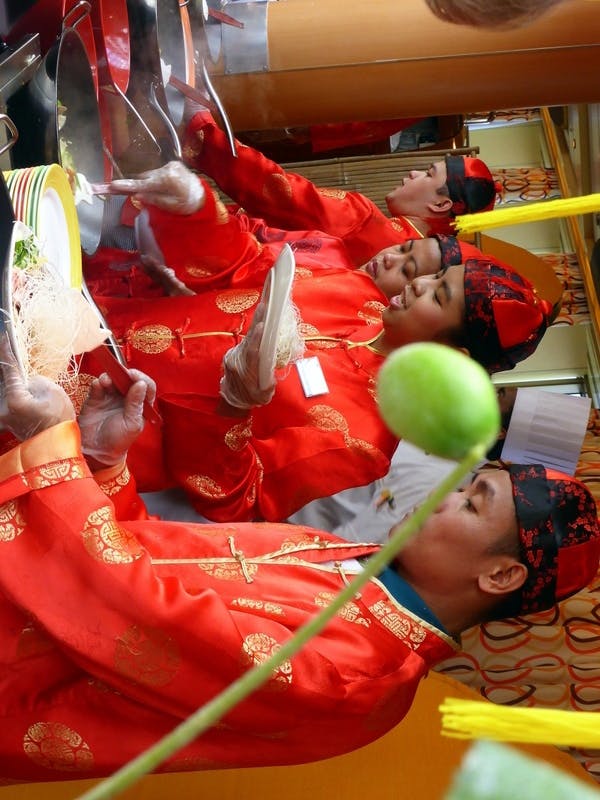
{"x": 277, "y": 188}
{"x": 371, "y": 312}
{"x": 205, "y": 486}
{"x": 307, "y": 330}
{"x": 362, "y": 446}
{"x": 78, "y": 390}
{"x": 106, "y": 541}
{"x": 327, "y": 418}
{"x": 396, "y": 225}
{"x": 59, "y": 471}
{"x": 151, "y": 339}
{"x": 236, "y": 437}
{"x": 302, "y": 272}
{"x": 235, "y": 301}
{"x": 258, "y": 605}
{"x": 338, "y": 194}
{"x": 12, "y": 522}
{"x": 301, "y": 540}
{"x": 195, "y": 271}
{"x": 372, "y": 388}
{"x": 350, "y": 611}
{"x": 114, "y": 485}
{"x": 402, "y": 626}
{"x": 258, "y": 648}
{"x": 147, "y": 656}
{"x": 229, "y": 570}
{"x": 56, "y": 746}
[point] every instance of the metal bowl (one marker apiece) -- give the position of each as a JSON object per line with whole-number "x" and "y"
{"x": 64, "y": 78}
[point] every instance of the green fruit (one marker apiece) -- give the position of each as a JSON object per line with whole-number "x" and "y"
{"x": 439, "y": 399}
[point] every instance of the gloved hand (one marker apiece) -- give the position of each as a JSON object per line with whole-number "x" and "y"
{"x": 239, "y": 385}
{"x": 109, "y": 422}
{"x": 172, "y": 187}
{"x": 29, "y": 406}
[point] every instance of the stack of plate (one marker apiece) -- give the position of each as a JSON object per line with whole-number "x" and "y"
{"x": 43, "y": 200}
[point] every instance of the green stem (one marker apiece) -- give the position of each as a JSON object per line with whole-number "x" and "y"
{"x": 213, "y": 711}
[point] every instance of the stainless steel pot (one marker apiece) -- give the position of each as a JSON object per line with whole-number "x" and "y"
{"x": 63, "y": 80}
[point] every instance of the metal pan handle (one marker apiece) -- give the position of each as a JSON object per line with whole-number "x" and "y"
{"x": 14, "y": 133}
{"x": 80, "y": 11}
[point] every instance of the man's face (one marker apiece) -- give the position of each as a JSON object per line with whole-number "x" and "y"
{"x": 458, "y": 539}
{"x": 430, "y": 308}
{"x": 394, "y": 267}
{"x": 416, "y": 193}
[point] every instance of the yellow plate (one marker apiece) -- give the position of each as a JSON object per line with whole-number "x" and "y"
{"x": 46, "y": 204}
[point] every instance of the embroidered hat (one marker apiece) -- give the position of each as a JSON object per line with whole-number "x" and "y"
{"x": 471, "y": 186}
{"x": 504, "y": 317}
{"x": 455, "y": 251}
{"x": 559, "y": 534}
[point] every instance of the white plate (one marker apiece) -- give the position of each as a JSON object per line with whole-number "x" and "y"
{"x": 277, "y": 290}
{"x": 53, "y": 233}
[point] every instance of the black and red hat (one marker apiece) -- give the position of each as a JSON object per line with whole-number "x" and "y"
{"x": 505, "y": 318}
{"x": 559, "y": 535}
{"x": 471, "y": 186}
{"x": 454, "y": 251}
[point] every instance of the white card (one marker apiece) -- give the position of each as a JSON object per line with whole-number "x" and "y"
{"x": 311, "y": 376}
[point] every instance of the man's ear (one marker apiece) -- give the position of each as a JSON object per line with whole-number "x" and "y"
{"x": 505, "y": 576}
{"x": 441, "y": 206}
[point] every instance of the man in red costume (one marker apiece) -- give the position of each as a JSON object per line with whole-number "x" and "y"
{"x": 114, "y": 631}
{"x": 264, "y": 453}
{"x": 426, "y": 202}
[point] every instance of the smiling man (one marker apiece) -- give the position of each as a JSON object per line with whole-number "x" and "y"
{"x": 141, "y": 622}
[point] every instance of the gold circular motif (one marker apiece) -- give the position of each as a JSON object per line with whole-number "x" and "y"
{"x": 197, "y": 272}
{"x": 56, "y": 746}
{"x": 277, "y": 188}
{"x": 236, "y": 300}
{"x": 12, "y": 522}
{"x": 327, "y": 418}
{"x": 337, "y": 194}
{"x": 205, "y": 486}
{"x": 106, "y": 541}
{"x": 236, "y": 437}
{"x": 258, "y": 648}
{"x": 302, "y": 272}
{"x": 147, "y": 656}
{"x": 349, "y": 612}
{"x": 151, "y": 339}
{"x": 371, "y": 312}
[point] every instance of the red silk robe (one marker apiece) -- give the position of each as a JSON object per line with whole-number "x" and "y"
{"x": 112, "y": 632}
{"x": 291, "y": 451}
{"x": 289, "y": 201}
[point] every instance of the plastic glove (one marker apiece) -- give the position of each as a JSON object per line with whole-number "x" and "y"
{"x": 172, "y": 187}
{"x": 239, "y": 385}
{"x": 29, "y": 406}
{"x": 110, "y": 422}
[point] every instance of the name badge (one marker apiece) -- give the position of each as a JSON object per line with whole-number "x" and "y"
{"x": 311, "y": 376}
